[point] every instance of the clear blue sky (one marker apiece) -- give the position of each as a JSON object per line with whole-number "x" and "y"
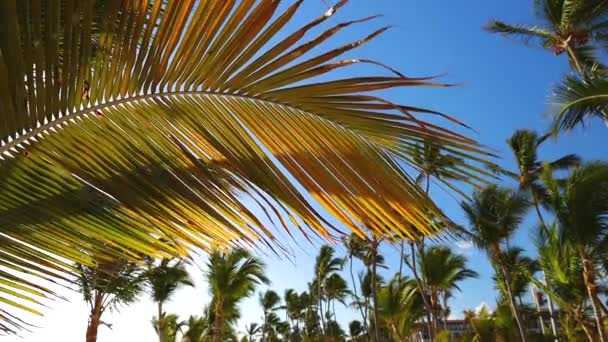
{"x": 504, "y": 86}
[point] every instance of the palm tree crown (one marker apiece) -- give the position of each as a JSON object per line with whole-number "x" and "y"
{"x": 575, "y": 27}
{"x": 164, "y": 279}
{"x": 232, "y": 276}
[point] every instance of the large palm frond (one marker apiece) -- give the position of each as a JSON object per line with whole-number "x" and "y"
{"x": 126, "y": 121}
{"x": 580, "y": 100}
{"x": 528, "y": 34}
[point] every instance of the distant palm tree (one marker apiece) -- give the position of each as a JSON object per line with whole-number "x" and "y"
{"x": 441, "y": 270}
{"x": 581, "y": 208}
{"x": 355, "y": 329}
{"x": 336, "y": 289}
{"x": 171, "y": 326}
{"x": 108, "y": 285}
{"x": 399, "y": 307}
{"x": 434, "y": 162}
{"x": 270, "y": 302}
{"x": 164, "y": 279}
{"x": 579, "y": 29}
{"x": 574, "y": 27}
{"x": 252, "y": 330}
{"x": 372, "y": 259}
{"x": 563, "y": 268}
{"x": 232, "y": 276}
{"x": 355, "y": 249}
{"x": 520, "y": 267}
{"x": 494, "y": 214}
{"x": 524, "y": 144}
{"x": 197, "y": 326}
{"x": 326, "y": 264}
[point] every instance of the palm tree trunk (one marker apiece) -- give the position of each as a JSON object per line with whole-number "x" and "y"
{"x": 333, "y": 304}
{"x": 540, "y": 314}
{"x": 575, "y": 61}
{"x": 320, "y": 306}
{"x": 589, "y": 278}
{"x": 445, "y": 307}
{"x": 217, "y": 325}
{"x": 425, "y": 301}
{"x": 352, "y": 276}
{"x": 544, "y": 281}
{"x": 434, "y": 310}
{"x": 516, "y": 315}
{"x": 94, "y": 319}
{"x": 92, "y": 328}
{"x": 374, "y": 289}
{"x": 401, "y": 256}
{"x": 161, "y": 323}
{"x": 264, "y": 327}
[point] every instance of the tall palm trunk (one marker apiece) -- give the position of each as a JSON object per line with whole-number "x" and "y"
{"x": 92, "y": 328}
{"x": 264, "y": 327}
{"x": 445, "y": 306}
{"x": 374, "y": 289}
{"x": 218, "y": 323}
{"x": 544, "y": 281}
{"x": 540, "y": 315}
{"x": 320, "y": 301}
{"x": 589, "y": 278}
{"x": 352, "y": 276}
{"x": 333, "y": 303}
{"x": 434, "y": 302}
{"x": 161, "y": 323}
{"x": 421, "y": 288}
{"x": 507, "y": 279}
{"x": 95, "y": 319}
{"x": 401, "y": 256}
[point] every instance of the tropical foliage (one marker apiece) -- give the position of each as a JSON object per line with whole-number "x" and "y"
{"x": 135, "y": 132}
{"x": 147, "y": 125}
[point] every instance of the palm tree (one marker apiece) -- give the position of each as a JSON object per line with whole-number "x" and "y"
{"x": 355, "y": 329}
{"x": 443, "y": 167}
{"x": 441, "y": 271}
{"x": 164, "y": 279}
{"x": 336, "y": 289}
{"x": 372, "y": 259}
{"x": 355, "y": 249}
{"x": 581, "y": 206}
{"x": 197, "y": 326}
{"x": 171, "y": 326}
{"x": 435, "y": 163}
{"x": 104, "y": 113}
{"x": 574, "y": 27}
{"x": 326, "y": 264}
{"x": 252, "y": 330}
{"x": 232, "y": 276}
{"x": 524, "y": 145}
{"x": 399, "y": 307}
{"x": 563, "y": 267}
{"x": 270, "y": 302}
{"x": 108, "y": 285}
{"x": 494, "y": 214}
{"x": 579, "y": 29}
{"x": 521, "y": 268}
